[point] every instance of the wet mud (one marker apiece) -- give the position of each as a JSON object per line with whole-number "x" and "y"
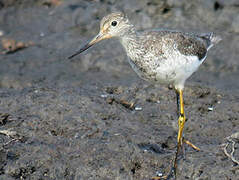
{"x": 91, "y": 117}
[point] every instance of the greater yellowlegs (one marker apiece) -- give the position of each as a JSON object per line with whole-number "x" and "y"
{"x": 159, "y": 56}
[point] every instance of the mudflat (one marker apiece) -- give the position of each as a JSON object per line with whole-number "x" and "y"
{"x": 92, "y": 117}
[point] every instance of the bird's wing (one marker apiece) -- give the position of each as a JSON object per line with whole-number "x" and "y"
{"x": 187, "y": 44}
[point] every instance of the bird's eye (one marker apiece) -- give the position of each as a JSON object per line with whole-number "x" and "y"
{"x": 114, "y": 23}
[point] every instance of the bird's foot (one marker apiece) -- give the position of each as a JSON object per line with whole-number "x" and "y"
{"x": 173, "y": 166}
{"x": 169, "y": 175}
{"x": 190, "y": 144}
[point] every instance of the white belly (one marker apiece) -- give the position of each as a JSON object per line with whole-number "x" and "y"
{"x": 173, "y": 70}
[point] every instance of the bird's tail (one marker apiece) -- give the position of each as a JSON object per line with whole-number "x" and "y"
{"x": 210, "y": 39}
{"x": 214, "y": 39}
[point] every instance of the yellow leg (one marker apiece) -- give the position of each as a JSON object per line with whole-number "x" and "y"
{"x": 181, "y": 119}
{"x": 181, "y": 122}
{"x": 180, "y": 139}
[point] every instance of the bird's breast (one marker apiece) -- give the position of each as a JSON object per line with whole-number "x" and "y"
{"x": 148, "y": 68}
{"x": 163, "y": 69}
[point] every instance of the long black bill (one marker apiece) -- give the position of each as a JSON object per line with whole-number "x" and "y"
{"x": 88, "y": 45}
{"x": 96, "y": 39}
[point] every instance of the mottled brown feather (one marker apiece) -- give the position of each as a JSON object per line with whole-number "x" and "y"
{"x": 187, "y": 44}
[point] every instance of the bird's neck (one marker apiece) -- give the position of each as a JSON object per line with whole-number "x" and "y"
{"x": 128, "y": 38}
{"x": 130, "y": 42}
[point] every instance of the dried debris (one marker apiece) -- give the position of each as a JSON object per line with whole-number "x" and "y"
{"x": 4, "y": 118}
{"x": 114, "y": 90}
{"x": 50, "y": 3}
{"x": 13, "y": 135}
{"x": 231, "y": 140}
{"x": 10, "y": 45}
{"x": 125, "y": 103}
{"x": 9, "y": 133}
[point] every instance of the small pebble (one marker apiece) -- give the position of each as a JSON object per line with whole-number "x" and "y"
{"x": 42, "y": 34}
{"x": 77, "y": 135}
{"x": 104, "y": 95}
{"x": 210, "y": 108}
{"x": 159, "y": 174}
{"x": 1, "y": 33}
{"x": 138, "y": 108}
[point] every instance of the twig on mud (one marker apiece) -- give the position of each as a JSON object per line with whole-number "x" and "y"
{"x": 11, "y": 46}
{"x": 125, "y": 103}
{"x": 12, "y": 134}
{"x": 7, "y": 143}
{"x": 9, "y": 133}
{"x": 230, "y": 140}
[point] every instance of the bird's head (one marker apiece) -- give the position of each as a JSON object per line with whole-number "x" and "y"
{"x": 113, "y": 25}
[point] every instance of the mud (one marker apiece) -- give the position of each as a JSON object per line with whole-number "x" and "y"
{"x": 92, "y": 117}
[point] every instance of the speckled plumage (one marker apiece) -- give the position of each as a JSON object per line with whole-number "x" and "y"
{"x": 161, "y": 56}
{"x": 158, "y": 56}
{"x": 164, "y": 56}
